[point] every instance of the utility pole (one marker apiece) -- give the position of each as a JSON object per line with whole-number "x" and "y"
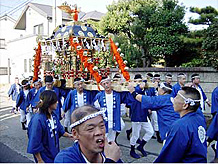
{"x": 9, "y": 70}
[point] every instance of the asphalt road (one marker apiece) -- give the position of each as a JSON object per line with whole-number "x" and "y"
{"x": 13, "y": 140}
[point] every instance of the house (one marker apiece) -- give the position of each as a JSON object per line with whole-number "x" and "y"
{"x": 36, "y": 20}
{"x": 7, "y": 33}
{"x": 93, "y": 15}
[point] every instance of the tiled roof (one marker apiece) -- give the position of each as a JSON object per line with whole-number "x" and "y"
{"x": 92, "y": 15}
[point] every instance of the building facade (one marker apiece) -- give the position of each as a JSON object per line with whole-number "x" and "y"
{"x": 36, "y": 21}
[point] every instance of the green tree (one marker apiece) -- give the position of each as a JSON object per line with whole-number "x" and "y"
{"x": 190, "y": 55}
{"x": 206, "y": 41}
{"x": 210, "y": 47}
{"x": 150, "y": 30}
{"x": 119, "y": 20}
{"x": 167, "y": 27}
{"x": 207, "y": 15}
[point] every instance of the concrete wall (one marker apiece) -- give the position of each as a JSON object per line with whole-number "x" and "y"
{"x": 209, "y": 76}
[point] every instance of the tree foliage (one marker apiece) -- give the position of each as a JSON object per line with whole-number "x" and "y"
{"x": 164, "y": 39}
{"x": 210, "y": 47}
{"x": 207, "y": 15}
{"x": 205, "y": 41}
{"x": 150, "y": 30}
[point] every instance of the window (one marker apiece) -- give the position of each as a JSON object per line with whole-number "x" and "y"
{"x": 38, "y": 29}
{"x": 2, "y": 44}
{"x": 30, "y": 65}
{"x": 25, "y": 65}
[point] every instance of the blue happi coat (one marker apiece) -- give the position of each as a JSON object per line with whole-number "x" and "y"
{"x": 42, "y": 139}
{"x": 203, "y": 95}
{"x": 71, "y": 101}
{"x": 13, "y": 91}
{"x": 60, "y": 93}
{"x": 165, "y": 111}
{"x": 138, "y": 114}
{"x": 175, "y": 89}
{"x": 33, "y": 98}
{"x": 214, "y": 101}
{"x": 186, "y": 141}
{"x": 22, "y": 101}
{"x": 212, "y": 131}
{"x": 118, "y": 99}
{"x": 72, "y": 155}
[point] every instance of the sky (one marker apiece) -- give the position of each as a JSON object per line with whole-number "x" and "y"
{"x": 99, "y": 5}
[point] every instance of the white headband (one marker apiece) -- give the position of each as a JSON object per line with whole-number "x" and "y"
{"x": 195, "y": 77}
{"x": 169, "y": 76}
{"x": 82, "y": 80}
{"x": 107, "y": 79}
{"x": 39, "y": 80}
{"x": 102, "y": 112}
{"x": 189, "y": 100}
{"x": 181, "y": 75}
{"x": 162, "y": 85}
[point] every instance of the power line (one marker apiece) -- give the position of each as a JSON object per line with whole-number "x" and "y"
{"x": 18, "y": 7}
{"x": 6, "y": 6}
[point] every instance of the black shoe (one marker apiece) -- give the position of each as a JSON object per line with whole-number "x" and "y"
{"x": 133, "y": 153}
{"x": 23, "y": 126}
{"x": 138, "y": 141}
{"x": 158, "y": 137}
{"x": 153, "y": 137}
{"x": 141, "y": 148}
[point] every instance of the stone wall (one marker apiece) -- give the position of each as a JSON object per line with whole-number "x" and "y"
{"x": 208, "y": 75}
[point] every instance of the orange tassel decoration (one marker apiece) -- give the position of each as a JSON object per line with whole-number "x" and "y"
{"x": 119, "y": 60}
{"x": 37, "y": 62}
{"x": 84, "y": 60}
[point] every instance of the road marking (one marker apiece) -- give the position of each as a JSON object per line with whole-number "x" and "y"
{"x": 5, "y": 109}
{"x": 14, "y": 115}
{"x": 5, "y": 115}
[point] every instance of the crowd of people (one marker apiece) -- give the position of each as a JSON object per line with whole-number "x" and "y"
{"x": 172, "y": 114}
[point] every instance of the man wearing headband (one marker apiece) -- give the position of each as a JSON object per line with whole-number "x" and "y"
{"x": 59, "y": 92}
{"x": 76, "y": 98}
{"x": 13, "y": 92}
{"x": 196, "y": 84}
{"x": 88, "y": 129}
{"x": 112, "y": 100}
{"x": 157, "y": 78}
{"x": 118, "y": 80}
{"x": 186, "y": 139}
{"x": 181, "y": 83}
{"x": 22, "y": 103}
{"x": 33, "y": 99}
{"x": 139, "y": 119}
{"x": 153, "y": 114}
{"x": 161, "y": 103}
{"x": 168, "y": 79}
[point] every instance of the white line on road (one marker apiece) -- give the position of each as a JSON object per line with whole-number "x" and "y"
{"x": 15, "y": 115}
{"x": 5, "y": 115}
{"x": 7, "y": 108}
